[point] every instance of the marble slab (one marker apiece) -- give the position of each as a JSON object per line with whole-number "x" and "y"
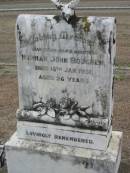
{"x": 25, "y": 156}
{"x": 64, "y": 135}
{"x": 65, "y": 69}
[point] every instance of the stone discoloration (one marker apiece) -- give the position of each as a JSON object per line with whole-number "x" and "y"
{"x": 110, "y": 45}
{"x": 86, "y": 24}
{"x": 57, "y": 18}
{"x": 102, "y": 41}
{"x": 73, "y": 21}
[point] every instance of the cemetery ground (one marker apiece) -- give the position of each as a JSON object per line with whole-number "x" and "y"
{"x": 8, "y": 79}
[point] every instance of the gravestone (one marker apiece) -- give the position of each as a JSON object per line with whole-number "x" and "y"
{"x": 65, "y": 77}
{"x": 65, "y": 73}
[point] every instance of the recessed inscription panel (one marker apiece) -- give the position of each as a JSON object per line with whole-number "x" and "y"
{"x": 63, "y": 135}
{"x": 65, "y": 70}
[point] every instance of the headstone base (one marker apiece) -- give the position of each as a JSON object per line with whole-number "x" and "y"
{"x": 25, "y": 156}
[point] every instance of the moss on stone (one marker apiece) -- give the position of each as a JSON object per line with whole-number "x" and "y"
{"x": 86, "y": 25}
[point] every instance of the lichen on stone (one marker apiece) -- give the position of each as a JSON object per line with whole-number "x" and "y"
{"x": 85, "y": 24}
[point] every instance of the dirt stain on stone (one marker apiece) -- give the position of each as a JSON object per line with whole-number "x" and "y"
{"x": 110, "y": 46}
{"x": 73, "y": 21}
{"x": 57, "y": 18}
{"x": 102, "y": 41}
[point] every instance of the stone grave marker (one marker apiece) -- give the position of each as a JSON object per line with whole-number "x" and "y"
{"x": 65, "y": 72}
{"x": 65, "y": 77}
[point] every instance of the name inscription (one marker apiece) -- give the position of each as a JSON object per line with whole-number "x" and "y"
{"x": 58, "y": 55}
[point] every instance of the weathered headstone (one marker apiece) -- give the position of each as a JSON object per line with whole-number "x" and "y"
{"x": 66, "y": 70}
{"x": 65, "y": 76}
{"x": 65, "y": 73}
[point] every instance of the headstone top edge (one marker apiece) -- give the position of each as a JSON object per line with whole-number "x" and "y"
{"x": 96, "y": 20}
{"x": 91, "y": 18}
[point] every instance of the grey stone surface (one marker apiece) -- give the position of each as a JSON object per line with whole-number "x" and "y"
{"x": 25, "y": 156}
{"x": 65, "y": 70}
